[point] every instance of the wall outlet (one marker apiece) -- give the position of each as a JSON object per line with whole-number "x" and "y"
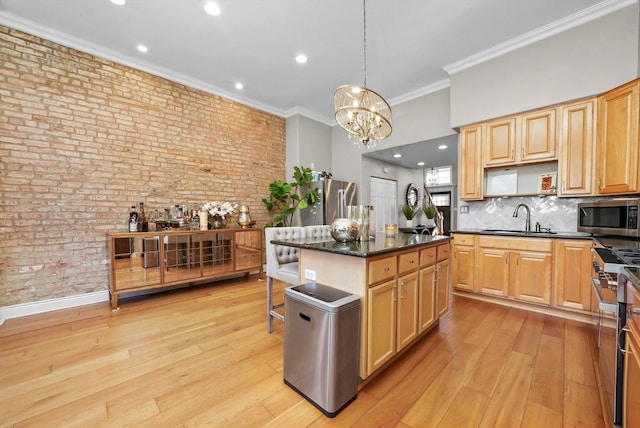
{"x": 464, "y": 209}
{"x": 310, "y": 274}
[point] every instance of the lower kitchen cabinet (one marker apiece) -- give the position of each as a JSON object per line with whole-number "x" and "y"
{"x": 531, "y": 273}
{"x": 572, "y": 274}
{"x": 443, "y": 276}
{"x": 381, "y": 324}
{"x": 517, "y": 268}
{"x": 407, "y": 296}
{"x": 493, "y": 272}
{"x": 427, "y": 315}
{"x": 631, "y": 394}
{"x": 463, "y": 262}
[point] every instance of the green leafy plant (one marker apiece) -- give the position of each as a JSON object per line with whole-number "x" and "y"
{"x": 409, "y": 211}
{"x": 285, "y": 198}
{"x": 429, "y": 210}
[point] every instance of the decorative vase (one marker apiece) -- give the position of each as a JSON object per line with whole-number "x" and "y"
{"x": 218, "y": 222}
{"x": 344, "y": 229}
{"x": 244, "y": 218}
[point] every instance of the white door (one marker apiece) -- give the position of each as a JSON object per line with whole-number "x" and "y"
{"x": 384, "y": 196}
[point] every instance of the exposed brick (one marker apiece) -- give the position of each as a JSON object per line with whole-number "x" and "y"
{"x": 83, "y": 138}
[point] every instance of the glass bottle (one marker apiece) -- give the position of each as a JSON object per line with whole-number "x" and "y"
{"x": 143, "y": 225}
{"x": 133, "y": 219}
{"x": 153, "y": 218}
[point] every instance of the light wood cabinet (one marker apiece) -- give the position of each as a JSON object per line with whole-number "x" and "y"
{"x": 381, "y": 324}
{"x": 531, "y": 276}
{"x": 518, "y": 268}
{"x": 443, "y": 269}
{"x": 149, "y": 260}
{"x": 407, "y": 309}
{"x": 576, "y": 162}
{"x": 427, "y": 298}
{"x": 618, "y": 155}
{"x": 463, "y": 262}
{"x": 406, "y": 292}
{"x": 470, "y": 163}
{"x": 572, "y": 274}
{"x": 525, "y": 138}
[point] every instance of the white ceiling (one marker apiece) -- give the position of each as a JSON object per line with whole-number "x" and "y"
{"x": 410, "y": 43}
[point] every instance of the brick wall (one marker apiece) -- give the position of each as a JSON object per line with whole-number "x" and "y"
{"x": 82, "y": 139}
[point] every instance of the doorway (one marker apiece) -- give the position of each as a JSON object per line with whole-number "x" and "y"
{"x": 443, "y": 202}
{"x": 383, "y": 197}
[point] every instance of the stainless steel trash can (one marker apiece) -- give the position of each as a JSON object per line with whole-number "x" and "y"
{"x": 322, "y": 345}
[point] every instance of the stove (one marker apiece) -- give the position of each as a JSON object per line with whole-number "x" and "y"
{"x": 609, "y": 288}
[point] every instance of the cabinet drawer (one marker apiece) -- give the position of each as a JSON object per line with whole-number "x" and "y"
{"x": 427, "y": 256}
{"x": 443, "y": 252}
{"x": 462, "y": 239}
{"x": 382, "y": 269}
{"x": 408, "y": 262}
{"x": 523, "y": 244}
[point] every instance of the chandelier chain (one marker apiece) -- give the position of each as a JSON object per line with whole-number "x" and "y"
{"x": 364, "y": 12}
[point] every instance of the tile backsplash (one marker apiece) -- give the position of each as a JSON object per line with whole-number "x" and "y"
{"x": 559, "y": 214}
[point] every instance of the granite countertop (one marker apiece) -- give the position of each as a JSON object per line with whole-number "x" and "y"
{"x": 380, "y": 245}
{"x": 522, "y": 233}
{"x": 604, "y": 240}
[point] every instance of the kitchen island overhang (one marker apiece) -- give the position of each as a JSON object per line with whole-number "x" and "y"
{"x": 403, "y": 283}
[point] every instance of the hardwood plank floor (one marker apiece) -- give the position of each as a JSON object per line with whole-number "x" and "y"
{"x": 202, "y": 357}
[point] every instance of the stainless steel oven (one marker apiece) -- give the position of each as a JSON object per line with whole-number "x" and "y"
{"x": 609, "y": 288}
{"x": 610, "y": 217}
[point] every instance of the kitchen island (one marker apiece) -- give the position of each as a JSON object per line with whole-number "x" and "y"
{"x": 403, "y": 283}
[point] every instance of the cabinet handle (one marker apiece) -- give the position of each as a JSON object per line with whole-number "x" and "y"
{"x": 517, "y": 260}
{"x": 402, "y": 289}
{"x": 411, "y": 261}
{"x": 506, "y": 260}
{"x": 624, "y": 329}
{"x": 513, "y": 154}
{"x": 386, "y": 268}
{"x": 600, "y": 183}
{"x": 393, "y": 292}
{"x": 564, "y": 186}
{"x": 523, "y": 153}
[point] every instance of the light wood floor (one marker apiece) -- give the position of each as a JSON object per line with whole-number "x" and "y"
{"x": 202, "y": 357}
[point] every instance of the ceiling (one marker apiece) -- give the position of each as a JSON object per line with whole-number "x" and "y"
{"x": 409, "y": 43}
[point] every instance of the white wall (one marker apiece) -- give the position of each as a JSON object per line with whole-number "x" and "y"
{"x": 583, "y": 61}
{"x": 308, "y": 144}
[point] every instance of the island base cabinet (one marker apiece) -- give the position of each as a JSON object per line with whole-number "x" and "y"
{"x": 427, "y": 298}
{"x": 407, "y": 309}
{"x": 442, "y": 286}
{"x": 381, "y": 325}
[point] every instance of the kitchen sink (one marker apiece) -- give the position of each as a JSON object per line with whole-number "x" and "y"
{"x": 520, "y": 232}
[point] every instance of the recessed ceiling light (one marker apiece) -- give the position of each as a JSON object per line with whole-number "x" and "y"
{"x": 143, "y": 48}
{"x": 397, "y": 155}
{"x": 239, "y": 85}
{"x": 119, "y": 2}
{"x": 301, "y": 59}
{"x": 420, "y": 163}
{"x": 442, "y": 146}
{"x": 212, "y": 9}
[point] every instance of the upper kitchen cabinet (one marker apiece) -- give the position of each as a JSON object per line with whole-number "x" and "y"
{"x": 577, "y": 146}
{"x": 470, "y": 163}
{"x": 618, "y": 156}
{"x": 525, "y": 138}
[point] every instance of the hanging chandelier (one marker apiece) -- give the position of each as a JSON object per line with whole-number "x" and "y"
{"x": 363, "y": 113}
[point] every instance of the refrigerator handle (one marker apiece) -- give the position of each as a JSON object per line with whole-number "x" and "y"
{"x": 341, "y": 203}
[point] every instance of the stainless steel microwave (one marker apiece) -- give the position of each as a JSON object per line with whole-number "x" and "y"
{"x": 610, "y": 217}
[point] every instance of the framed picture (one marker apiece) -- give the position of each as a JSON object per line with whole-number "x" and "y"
{"x": 548, "y": 183}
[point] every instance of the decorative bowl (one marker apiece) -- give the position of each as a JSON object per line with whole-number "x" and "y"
{"x": 344, "y": 230}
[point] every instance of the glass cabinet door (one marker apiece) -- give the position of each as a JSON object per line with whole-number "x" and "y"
{"x": 217, "y": 253}
{"x": 182, "y": 254}
{"x": 248, "y": 247}
{"x": 136, "y": 262}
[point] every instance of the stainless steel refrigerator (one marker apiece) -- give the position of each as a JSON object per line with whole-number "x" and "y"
{"x": 333, "y": 198}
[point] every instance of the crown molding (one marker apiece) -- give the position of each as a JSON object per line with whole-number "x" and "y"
{"x": 13, "y": 21}
{"x": 420, "y": 92}
{"x": 587, "y": 15}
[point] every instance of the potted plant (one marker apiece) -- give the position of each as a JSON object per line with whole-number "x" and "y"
{"x": 285, "y": 198}
{"x": 409, "y": 212}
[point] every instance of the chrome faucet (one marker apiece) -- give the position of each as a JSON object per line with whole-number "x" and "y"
{"x": 528, "y": 220}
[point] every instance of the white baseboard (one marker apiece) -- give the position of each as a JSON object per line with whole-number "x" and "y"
{"x": 38, "y": 307}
